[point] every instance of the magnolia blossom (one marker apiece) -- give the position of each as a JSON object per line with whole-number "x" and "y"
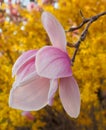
{"x": 32, "y": 6}
{"x": 38, "y": 71}
{"x": 13, "y": 13}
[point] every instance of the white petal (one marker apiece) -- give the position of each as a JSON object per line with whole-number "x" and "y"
{"x": 70, "y": 96}
{"x": 30, "y": 95}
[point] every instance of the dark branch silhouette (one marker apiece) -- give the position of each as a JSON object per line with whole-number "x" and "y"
{"x": 88, "y": 22}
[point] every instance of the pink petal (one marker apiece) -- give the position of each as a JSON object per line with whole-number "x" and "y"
{"x": 24, "y": 58}
{"x": 30, "y": 95}
{"x": 28, "y": 115}
{"x": 31, "y": 6}
{"x": 26, "y": 66}
{"x": 52, "y": 91}
{"x": 52, "y": 63}
{"x": 28, "y": 78}
{"x": 55, "y": 30}
{"x": 26, "y": 70}
{"x": 70, "y": 96}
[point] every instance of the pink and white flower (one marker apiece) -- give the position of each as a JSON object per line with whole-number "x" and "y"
{"x": 37, "y": 74}
{"x": 32, "y": 6}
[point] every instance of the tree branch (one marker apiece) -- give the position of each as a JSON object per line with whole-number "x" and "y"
{"x": 87, "y": 21}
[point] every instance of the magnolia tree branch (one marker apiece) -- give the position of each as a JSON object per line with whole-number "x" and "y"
{"x": 88, "y": 22}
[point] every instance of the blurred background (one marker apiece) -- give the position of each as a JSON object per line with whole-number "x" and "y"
{"x": 21, "y": 30}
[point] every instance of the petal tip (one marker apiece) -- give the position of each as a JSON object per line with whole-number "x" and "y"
{"x": 75, "y": 115}
{"x": 70, "y": 96}
{"x": 54, "y": 30}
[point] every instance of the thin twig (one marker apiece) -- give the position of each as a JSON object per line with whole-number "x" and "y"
{"x": 87, "y": 21}
{"x": 78, "y": 27}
